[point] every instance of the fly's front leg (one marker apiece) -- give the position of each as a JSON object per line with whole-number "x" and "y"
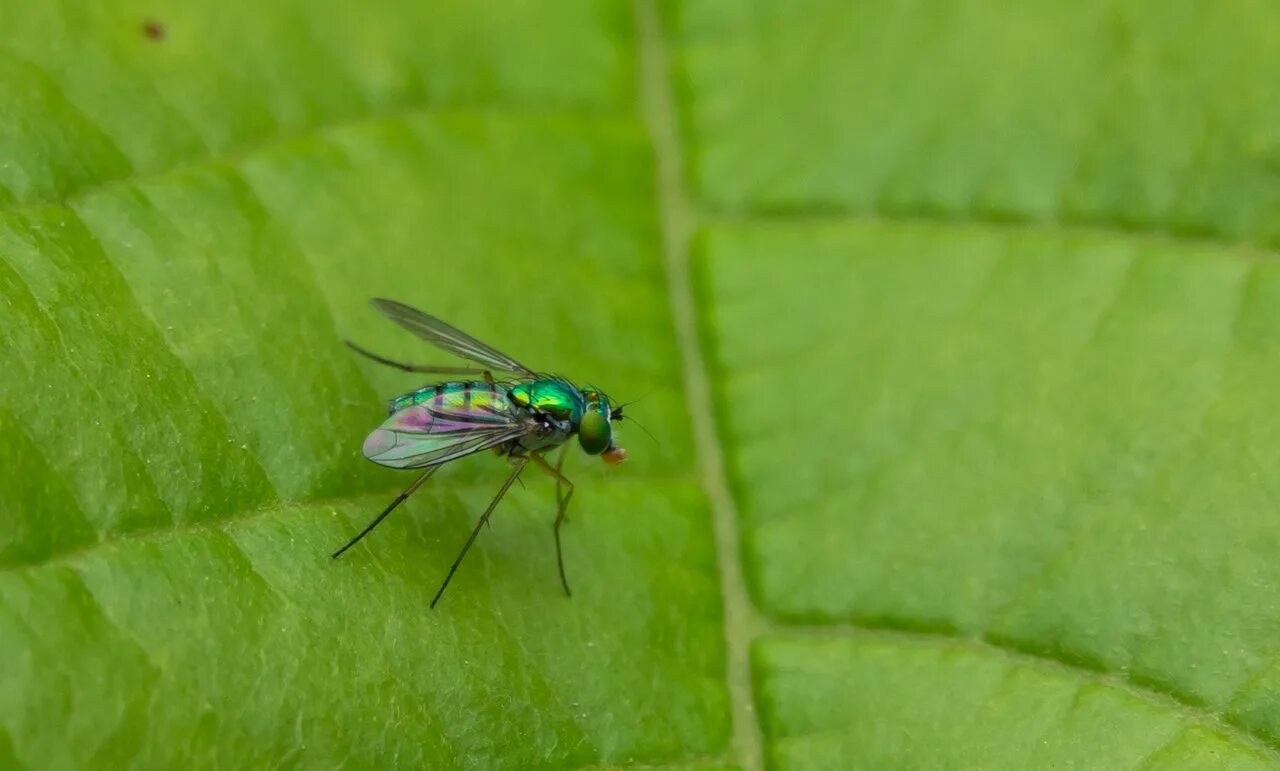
{"x": 562, "y": 505}
{"x": 564, "y": 450}
{"x": 515, "y": 460}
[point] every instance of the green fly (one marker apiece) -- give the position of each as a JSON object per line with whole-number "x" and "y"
{"x": 521, "y": 415}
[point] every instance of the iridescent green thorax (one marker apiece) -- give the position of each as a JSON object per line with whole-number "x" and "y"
{"x": 555, "y": 397}
{"x": 587, "y": 409}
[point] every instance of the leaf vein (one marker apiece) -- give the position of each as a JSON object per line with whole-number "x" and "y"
{"x": 1118, "y": 680}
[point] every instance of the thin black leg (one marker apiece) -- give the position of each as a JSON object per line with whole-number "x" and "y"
{"x": 560, "y": 513}
{"x": 519, "y": 466}
{"x": 431, "y": 368}
{"x": 564, "y": 450}
{"x": 378, "y": 519}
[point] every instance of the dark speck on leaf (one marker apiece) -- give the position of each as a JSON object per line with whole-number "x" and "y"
{"x": 153, "y": 29}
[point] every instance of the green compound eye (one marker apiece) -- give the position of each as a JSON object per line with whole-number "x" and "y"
{"x": 595, "y": 432}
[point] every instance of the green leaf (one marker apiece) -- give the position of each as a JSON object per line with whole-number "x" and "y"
{"x": 192, "y": 226}
{"x": 995, "y": 423}
{"x": 957, "y": 328}
{"x": 1060, "y": 449}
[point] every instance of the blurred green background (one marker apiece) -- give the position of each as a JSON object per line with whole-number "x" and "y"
{"x": 957, "y": 327}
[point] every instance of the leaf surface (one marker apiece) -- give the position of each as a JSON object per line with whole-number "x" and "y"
{"x": 956, "y": 329}
{"x": 179, "y": 264}
{"x": 994, "y": 330}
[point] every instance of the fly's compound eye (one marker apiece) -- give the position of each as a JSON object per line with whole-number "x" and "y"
{"x": 595, "y": 434}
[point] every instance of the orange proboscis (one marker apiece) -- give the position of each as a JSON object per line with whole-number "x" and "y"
{"x": 614, "y": 455}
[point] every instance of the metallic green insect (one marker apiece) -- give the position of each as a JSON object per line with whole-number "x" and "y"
{"x": 521, "y": 418}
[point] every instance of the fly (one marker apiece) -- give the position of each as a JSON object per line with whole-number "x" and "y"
{"x": 523, "y": 415}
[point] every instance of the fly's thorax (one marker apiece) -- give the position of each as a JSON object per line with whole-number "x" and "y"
{"x": 551, "y": 407}
{"x": 556, "y": 398}
{"x": 564, "y": 410}
{"x": 546, "y": 432}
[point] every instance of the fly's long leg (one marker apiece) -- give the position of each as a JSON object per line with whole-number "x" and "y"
{"x": 562, "y": 506}
{"x": 430, "y": 368}
{"x": 484, "y": 518}
{"x": 378, "y": 519}
{"x": 564, "y": 450}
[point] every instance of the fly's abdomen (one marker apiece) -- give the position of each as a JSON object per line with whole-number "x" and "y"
{"x": 456, "y": 396}
{"x": 440, "y": 422}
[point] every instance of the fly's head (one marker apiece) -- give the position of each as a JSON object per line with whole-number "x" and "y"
{"x": 595, "y": 429}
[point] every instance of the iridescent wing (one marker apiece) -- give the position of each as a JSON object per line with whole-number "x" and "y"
{"x": 448, "y": 337}
{"x": 421, "y": 436}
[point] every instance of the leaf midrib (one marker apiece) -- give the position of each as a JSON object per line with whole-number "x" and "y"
{"x": 678, "y": 221}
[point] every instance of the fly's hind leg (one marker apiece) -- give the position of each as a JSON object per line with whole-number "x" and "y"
{"x": 518, "y": 466}
{"x": 429, "y": 368}
{"x": 562, "y": 504}
{"x": 401, "y": 498}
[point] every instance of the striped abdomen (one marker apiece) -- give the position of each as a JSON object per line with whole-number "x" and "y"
{"x": 457, "y": 397}
{"x": 442, "y": 422}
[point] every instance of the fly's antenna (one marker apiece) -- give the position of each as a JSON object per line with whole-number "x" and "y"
{"x": 617, "y": 415}
{"x": 617, "y": 411}
{"x": 646, "y": 431}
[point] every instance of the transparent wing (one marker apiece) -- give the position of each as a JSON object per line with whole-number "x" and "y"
{"x": 448, "y": 337}
{"x": 419, "y": 436}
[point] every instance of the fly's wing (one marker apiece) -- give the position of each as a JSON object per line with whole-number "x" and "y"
{"x": 448, "y": 337}
{"x": 420, "y": 436}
